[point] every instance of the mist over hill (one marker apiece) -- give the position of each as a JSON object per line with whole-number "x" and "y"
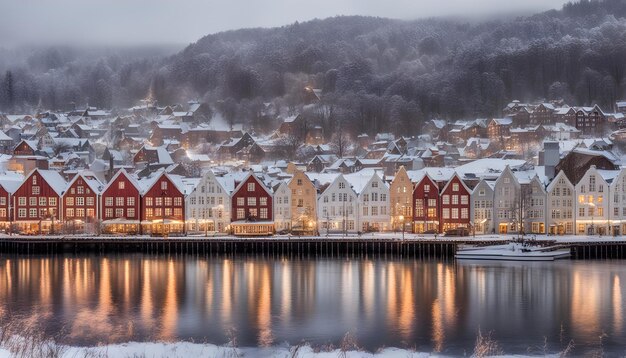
{"x": 374, "y": 74}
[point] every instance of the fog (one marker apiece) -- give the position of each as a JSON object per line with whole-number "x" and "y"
{"x": 131, "y": 22}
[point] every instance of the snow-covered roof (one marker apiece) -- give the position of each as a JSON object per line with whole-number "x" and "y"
{"x": 53, "y": 178}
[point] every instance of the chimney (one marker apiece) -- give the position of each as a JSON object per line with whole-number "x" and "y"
{"x": 549, "y": 157}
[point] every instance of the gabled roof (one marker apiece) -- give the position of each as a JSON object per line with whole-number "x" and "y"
{"x": 455, "y": 175}
{"x": 259, "y": 181}
{"x": 559, "y": 175}
{"x": 130, "y": 178}
{"x": 90, "y": 179}
{"x": 52, "y": 178}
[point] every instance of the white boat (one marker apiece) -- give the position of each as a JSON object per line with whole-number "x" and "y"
{"x": 513, "y": 252}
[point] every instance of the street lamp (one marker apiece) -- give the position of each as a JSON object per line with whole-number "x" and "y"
{"x": 402, "y": 220}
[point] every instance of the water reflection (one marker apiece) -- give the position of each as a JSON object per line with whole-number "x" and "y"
{"x": 429, "y": 305}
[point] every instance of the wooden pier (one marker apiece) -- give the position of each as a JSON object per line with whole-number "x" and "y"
{"x": 345, "y": 247}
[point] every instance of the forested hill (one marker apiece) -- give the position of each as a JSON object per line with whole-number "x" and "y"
{"x": 375, "y": 72}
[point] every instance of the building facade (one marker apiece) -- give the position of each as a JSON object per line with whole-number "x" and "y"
{"x": 426, "y": 207}
{"x": 455, "y": 205}
{"x": 338, "y": 207}
{"x": 481, "y": 206}
{"x": 401, "y": 199}
{"x": 560, "y": 205}
{"x": 252, "y": 208}
{"x": 120, "y": 205}
{"x": 37, "y": 203}
{"x": 208, "y": 206}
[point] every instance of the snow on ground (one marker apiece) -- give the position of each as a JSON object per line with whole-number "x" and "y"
{"x": 187, "y": 349}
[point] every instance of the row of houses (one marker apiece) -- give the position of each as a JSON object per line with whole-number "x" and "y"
{"x": 510, "y": 199}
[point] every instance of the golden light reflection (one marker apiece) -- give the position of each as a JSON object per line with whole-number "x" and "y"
{"x": 618, "y": 313}
{"x": 170, "y": 306}
{"x": 265, "y": 309}
{"x": 407, "y": 304}
{"x": 585, "y": 305}
{"x": 146, "y": 305}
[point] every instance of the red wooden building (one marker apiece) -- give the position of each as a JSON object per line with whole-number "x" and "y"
{"x": 37, "y": 202}
{"x": 81, "y": 204}
{"x": 252, "y": 210}
{"x": 5, "y": 198}
{"x": 426, "y": 205}
{"x": 455, "y": 205}
{"x": 120, "y": 204}
{"x": 163, "y": 203}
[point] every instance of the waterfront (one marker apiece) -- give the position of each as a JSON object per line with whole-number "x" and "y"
{"x": 426, "y": 305}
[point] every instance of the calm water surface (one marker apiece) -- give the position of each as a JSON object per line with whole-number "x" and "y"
{"x": 432, "y": 306}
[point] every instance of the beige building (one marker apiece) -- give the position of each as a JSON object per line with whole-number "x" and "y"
{"x": 401, "y": 197}
{"x": 303, "y": 203}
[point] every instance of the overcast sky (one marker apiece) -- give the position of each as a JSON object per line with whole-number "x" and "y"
{"x": 130, "y": 22}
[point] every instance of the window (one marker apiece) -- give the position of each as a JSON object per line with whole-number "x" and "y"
{"x": 119, "y": 201}
{"x": 108, "y": 202}
{"x": 34, "y": 180}
{"x": 446, "y": 213}
{"x": 168, "y": 201}
{"x": 178, "y": 212}
{"x": 374, "y": 210}
{"x": 32, "y": 201}
{"x": 299, "y": 182}
{"x": 32, "y": 213}
{"x": 178, "y": 201}
{"x": 158, "y": 201}
{"x": 69, "y": 201}
{"x": 130, "y": 201}
{"x": 149, "y": 213}
{"x": 80, "y": 190}
{"x": 455, "y": 200}
{"x": 80, "y": 213}
{"x": 365, "y": 211}
{"x": 455, "y": 213}
{"x": 254, "y": 212}
{"x": 80, "y": 201}
{"x": 250, "y": 186}
{"x": 35, "y": 190}
{"x": 455, "y": 186}
{"x": 464, "y": 213}
{"x": 432, "y": 202}
{"x": 3, "y": 200}
{"x": 119, "y": 213}
{"x": 464, "y": 199}
{"x": 21, "y": 201}
{"x": 263, "y": 213}
{"x": 342, "y": 185}
{"x": 426, "y": 188}
{"x": 240, "y": 202}
{"x": 251, "y": 201}
{"x": 21, "y": 213}
{"x": 375, "y": 184}
{"x": 163, "y": 185}
{"x": 149, "y": 201}
{"x": 90, "y": 201}
{"x": 43, "y": 201}
{"x": 241, "y": 213}
{"x": 263, "y": 201}
{"x": 581, "y": 212}
{"x": 446, "y": 199}
{"x": 121, "y": 185}
{"x": 130, "y": 212}
{"x": 108, "y": 212}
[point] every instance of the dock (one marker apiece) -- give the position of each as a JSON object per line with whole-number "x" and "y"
{"x": 294, "y": 246}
